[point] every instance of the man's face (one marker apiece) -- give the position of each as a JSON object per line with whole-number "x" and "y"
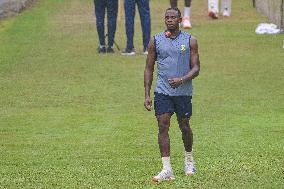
{"x": 172, "y": 20}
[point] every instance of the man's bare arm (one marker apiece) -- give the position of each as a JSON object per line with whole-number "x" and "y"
{"x": 148, "y": 74}
{"x": 194, "y": 61}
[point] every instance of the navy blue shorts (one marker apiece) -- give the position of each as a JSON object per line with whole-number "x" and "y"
{"x": 181, "y": 105}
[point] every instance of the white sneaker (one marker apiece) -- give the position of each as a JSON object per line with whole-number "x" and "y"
{"x": 164, "y": 175}
{"x": 226, "y": 13}
{"x": 186, "y": 23}
{"x": 145, "y": 52}
{"x": 189, "y": 168}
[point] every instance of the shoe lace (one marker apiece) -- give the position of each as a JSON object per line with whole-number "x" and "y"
{"x": 189, "y": 165}
{"x": 164, "y": 174}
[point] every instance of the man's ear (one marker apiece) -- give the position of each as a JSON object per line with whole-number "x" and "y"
{"x": 179, "y": 20}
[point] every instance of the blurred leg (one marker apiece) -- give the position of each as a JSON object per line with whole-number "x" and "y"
{"x": 226, "y": 7}
{"x": 112, "y": 9}
{"x": 129, "y": 9}
{"x": 100, "y": 14}
{"x": 187, "y": 3}
{"x": 173, "y": 3}
{"x": 213, "y": 5}
{"x": 186, "y": 16}
{"x": 144, "y": 11}
{"x": 213, "y": 8}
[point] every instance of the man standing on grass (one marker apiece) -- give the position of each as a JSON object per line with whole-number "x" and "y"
{"x": 101, "y": 6}
{"x": 213, "y": 8}
{"x": 176, "y": 53}
{"x": 144, "y": 11}
{"x": 186, "y": 24}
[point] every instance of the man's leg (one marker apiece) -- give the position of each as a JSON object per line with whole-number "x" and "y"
{"x": 183, "y": 109}
{"x": 186, "y": 16}
{"x": 163, "y": 135}
{"x": 164, "y": 145}
{"x": 112, "y": 9}
{"x": 173, "y": 3}
{"x": 100, "y": 14}
{"x": 187, "y": 137}
{"x": 226, "y": 7}
{"x": 144, "y": 11}
{"x": 187, "y": 3}
{"x": 129, "y": 9}
{"x": 213, "y": 8}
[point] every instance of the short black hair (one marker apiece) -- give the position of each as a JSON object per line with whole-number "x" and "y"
{"x": 176, "y": 9}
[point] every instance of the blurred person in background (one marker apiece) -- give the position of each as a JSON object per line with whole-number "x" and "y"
{"x": 213, "y": 8}
{"x": 101, "y": 6}
{"x": 186, "y": 14}
{"x": 144, "y": 12}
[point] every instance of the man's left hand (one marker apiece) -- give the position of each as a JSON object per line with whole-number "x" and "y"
{"x": 175, "y": 82}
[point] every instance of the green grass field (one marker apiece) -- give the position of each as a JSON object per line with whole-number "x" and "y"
{"x": 72, "y": 118}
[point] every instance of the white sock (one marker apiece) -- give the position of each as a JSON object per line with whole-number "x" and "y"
{"x": 226, "y": 5}
{"x": 186, "y": 12}
{"x": 213, "y": 5}
{"x": 101, "y": 46}
{"x": 188, "y": 156}
{"x": 166, "y": 163}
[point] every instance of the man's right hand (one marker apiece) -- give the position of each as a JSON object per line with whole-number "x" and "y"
{"x": 148, "y": 103}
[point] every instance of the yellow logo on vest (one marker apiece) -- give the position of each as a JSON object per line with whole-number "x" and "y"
{"x": 182, "y": 48}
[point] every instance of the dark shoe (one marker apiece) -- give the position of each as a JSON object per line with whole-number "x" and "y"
{"x": 109, "y": 50}
{"x": 101, "y": 50}
{"x": 128, "y": 52}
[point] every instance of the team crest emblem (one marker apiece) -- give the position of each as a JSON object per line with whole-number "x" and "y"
{"x": 182, "y": 48}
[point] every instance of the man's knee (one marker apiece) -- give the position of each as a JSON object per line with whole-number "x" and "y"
{"x": 184, "y": 124}
{"x": 184, "y": 127}
{"x": 163, "y": 126}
